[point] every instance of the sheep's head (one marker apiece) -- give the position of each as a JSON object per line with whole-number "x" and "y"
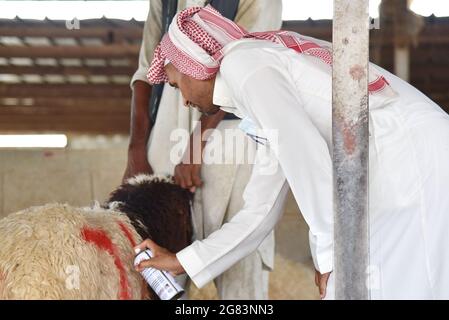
{"x": 157, "y": 208}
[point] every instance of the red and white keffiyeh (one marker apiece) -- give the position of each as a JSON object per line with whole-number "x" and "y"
{"x": 196, "y": 37}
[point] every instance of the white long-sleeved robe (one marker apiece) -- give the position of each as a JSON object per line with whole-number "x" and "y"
{"x": 275, "y": 88}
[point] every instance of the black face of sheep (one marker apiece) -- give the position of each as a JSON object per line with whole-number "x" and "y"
{"x": 158, "y": 209}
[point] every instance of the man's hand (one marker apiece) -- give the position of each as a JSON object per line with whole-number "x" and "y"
{"x": 137, "y": 163}
{"x": 188, "y": 176}
{"x": 162, "y": 259}
{"x": 188, "y": 172}
{"x": 321, "y": 282}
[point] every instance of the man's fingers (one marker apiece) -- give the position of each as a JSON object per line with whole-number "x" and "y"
{"x": 145, "y": 264}
{"x": 183, "y": 177}
{"x": 180, "y": 176}
{"x": 323, "y": 284}
{"x": 179, "y": 179}
{"x": 196, "y": 177}
{"x": 150, "y": 263}
{"x": 163, "y": 262}
{"x": 322, "y": 289}
{"x": 147, "y": 244}
{"x": 187, "y": 178}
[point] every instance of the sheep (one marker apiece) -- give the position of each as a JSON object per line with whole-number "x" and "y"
{"x": 57, "y": 251}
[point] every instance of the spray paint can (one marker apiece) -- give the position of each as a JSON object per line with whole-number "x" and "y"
{"x": 162, "y": 282}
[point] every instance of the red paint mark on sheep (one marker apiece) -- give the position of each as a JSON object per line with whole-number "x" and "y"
{"x": 102, "y": 241}
{"x": 127, "y": 233}
{"x": 144, "y": 291}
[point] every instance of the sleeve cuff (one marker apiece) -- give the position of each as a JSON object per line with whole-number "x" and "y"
{"x": 322, "y": 250}
{"x": 194, "y": 266}
{"x": 139, "y": 75}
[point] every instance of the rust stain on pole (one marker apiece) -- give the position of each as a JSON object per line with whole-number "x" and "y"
{"x": 350, "y": 148}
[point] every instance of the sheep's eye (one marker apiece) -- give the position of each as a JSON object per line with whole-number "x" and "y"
{"x": 173, "y": 85}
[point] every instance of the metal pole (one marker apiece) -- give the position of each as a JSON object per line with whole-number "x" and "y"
{"x": 350, "y": 147}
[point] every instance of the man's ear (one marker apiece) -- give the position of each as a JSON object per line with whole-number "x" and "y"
{"x": 171, "y": 72}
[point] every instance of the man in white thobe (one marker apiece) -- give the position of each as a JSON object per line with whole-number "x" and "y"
{"x": 249, "y": 278}
{"x": 285, "y": 85}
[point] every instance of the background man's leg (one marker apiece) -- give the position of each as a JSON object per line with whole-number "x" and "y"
{"x": 246, "y": 280}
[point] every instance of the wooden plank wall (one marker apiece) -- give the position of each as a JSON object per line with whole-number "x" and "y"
{"x": 77, "y": 81}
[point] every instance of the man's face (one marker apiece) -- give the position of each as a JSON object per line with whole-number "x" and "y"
{"x": 196, "y": 93}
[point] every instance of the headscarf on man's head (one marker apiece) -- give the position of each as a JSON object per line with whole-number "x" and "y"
{"x": 191, "y": 43}
{"x": 196, "y": 37}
